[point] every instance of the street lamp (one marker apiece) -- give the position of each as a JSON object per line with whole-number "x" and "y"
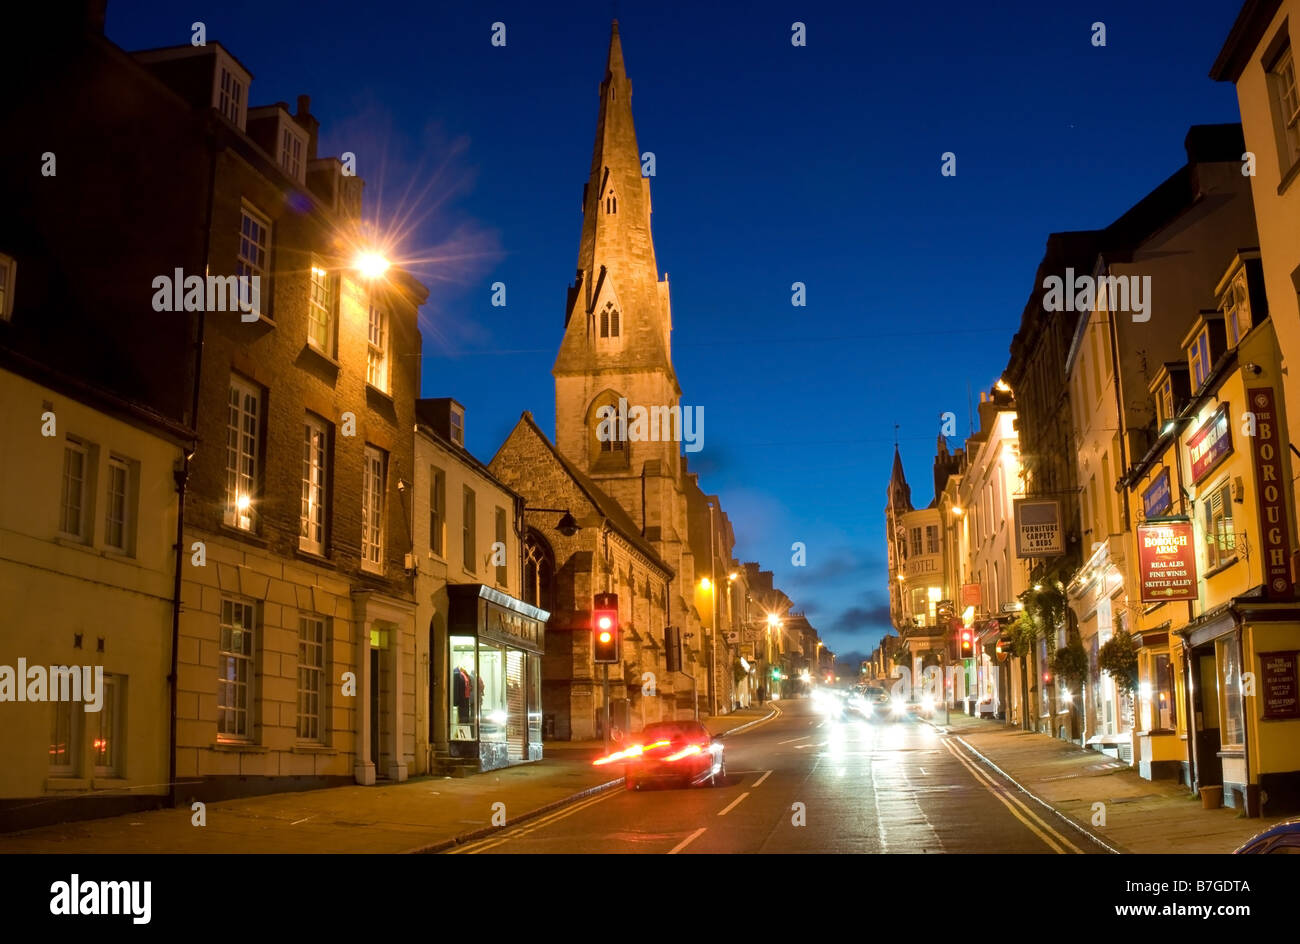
{"x": 567, "y": 525}
{"x": 371, "y": 264}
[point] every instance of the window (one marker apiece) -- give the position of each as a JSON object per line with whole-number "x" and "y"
{"x": 107, "y": 746}
{"x": 65, "y": 739}
{"x": 322, "y": 303}
{"x": 1287, "y": 108}
{"x": 235, "y": 670}
{"x": 1164, "y": 709}
{"x": 611, "y": 201}
{"x": 254, "y": 238}
{"x": 932, "y": 539}
{"x": 372, "y": 511}
{"x": 1236, "y": 309}
{"x": 916, "y": 541}
{"x": 315, "y": 448}
{"x": 1165, "y": 400}
{"x": 74, "y": 516}
{"x": 1220, "y": 538}
{"x": 469, "y": 549}
{"x": 1230, "y": 661}
{"x": 118, "y": 520}
{"x": 291, "y": 152}
{"x": 1200, "y": 359}
{"x": 8, "y": 273}
{"x": 609, "y": 321}
{"x": 230, "y": 97}
{"x": 539, "y": 572}
{"x": 311, "y": 677}
{"x": 457, "y": 426}
{"x": 499, "y": 551}
{"x": 377, "y": 351}
{"x": 437, "y": 511}
{"x": 242, "y": 438}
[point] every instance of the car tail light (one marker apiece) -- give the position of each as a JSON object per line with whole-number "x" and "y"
{"x": 631, "y": 753}
{"x": 686, "y": 751}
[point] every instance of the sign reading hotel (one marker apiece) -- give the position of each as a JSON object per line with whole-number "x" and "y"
{"x": 1038, "y": 528}
{"x": 1166, "y": 561}
{"x": 1279, "y": 690}
{"x": 1210, "y": 444}
{"x": 1270, "y": 483}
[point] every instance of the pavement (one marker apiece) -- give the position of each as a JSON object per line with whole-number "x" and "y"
{"x": 423, "y": 814}
{"x": 1140, "y": 816}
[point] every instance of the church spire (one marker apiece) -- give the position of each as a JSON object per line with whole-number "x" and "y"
{"x": 900, "y": 493}
{"x": 617, "y": 314}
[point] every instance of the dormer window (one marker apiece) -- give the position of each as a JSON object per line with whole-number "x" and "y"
{"x": 230, "y": 92}
{"x": 293, "y": 149}
{"x": 1235, "y": 305}
{"x": 1199, "y": 358}
{"x": 457, "y": 426}
{"x": 1165, "y": 400}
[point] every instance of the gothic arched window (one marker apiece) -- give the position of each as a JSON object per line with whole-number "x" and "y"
{"x": 604, "y": 323}
{"x": 611, "y": 202}
{"x": 539, "y": 572}
{"x": 606, "y": 437}
{"x": 610, "y": 323}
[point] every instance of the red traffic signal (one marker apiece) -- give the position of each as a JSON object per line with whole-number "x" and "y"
{"x": 605, "y": 631}
{"x": 967, "y": 644}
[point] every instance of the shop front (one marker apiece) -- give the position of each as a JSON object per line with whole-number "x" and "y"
{"x": 493, "y": 708}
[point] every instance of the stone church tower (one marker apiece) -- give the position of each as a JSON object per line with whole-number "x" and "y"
{"x": 617, "y": 339}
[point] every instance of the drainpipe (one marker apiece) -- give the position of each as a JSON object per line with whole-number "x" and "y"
{"x": 181, "y": 477}
{"x": 1251, "y": 808}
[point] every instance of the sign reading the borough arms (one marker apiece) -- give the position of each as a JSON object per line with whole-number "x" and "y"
{"x": 1166, "y": 561}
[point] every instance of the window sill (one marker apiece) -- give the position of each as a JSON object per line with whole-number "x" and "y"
{"x": 57, "y": 784}
{"x": 314, "y": 558}
{"x": 118, "y": 555}
{"x": 321, "y": 356}
{"x": 1213, "y": 571}
{"x": 1288, "y": 178}
{"x": 307, "y": 748}
{"x": 262, "y": 320}
{"x": 109, "y": 783}
{"x": 249, "y": 536}
{"x": 238, "y": 747}
{"x": 371, "y": 388}
{"x": 371, "y": 570}
{"x": 64, "y": 540}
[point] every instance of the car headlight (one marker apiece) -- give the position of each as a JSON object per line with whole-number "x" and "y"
{"x": 928, "y": 703}
{"x": 898, "y": 706}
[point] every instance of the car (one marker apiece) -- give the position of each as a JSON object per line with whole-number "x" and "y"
{"x": 1284, "y": 838}
{"x": 875, "y": 702}
{"x": 678, "y": 751}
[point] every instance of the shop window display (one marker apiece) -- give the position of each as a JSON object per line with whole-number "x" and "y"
{"x": 466, "y": 688}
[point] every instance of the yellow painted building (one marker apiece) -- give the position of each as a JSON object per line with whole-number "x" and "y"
{"x": 1217, "y": 680}
{"x": 87, "y": 572}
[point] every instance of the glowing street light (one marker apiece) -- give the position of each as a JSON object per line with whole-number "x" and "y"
{"x": 371, "y": 264}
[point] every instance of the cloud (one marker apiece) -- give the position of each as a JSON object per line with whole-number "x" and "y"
{"x": 862, "y": 618}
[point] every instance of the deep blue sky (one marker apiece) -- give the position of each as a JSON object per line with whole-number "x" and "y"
{"x": 776, "y": 164}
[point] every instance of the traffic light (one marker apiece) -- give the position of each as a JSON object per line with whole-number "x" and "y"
{"x": 673, "y": 648}
{"x": 605, "y": 631}
{"x": 967, "y": 644}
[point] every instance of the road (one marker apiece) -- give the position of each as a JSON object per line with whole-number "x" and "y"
{"x": 803, "y": 782}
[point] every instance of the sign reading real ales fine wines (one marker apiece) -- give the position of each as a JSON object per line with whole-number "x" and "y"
{"x": 1167, "y": 561}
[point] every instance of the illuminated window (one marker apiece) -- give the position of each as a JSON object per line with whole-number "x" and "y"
{"x": 315, "y": 447}
{"x": 243, "y": 422}
{"x": 311, "y": 677}
{"x": 377, "y": 349}
{"x": 1165, "y": 400}
{"x": 106, "y": 747}
{"x": 322, "y": 298}
{"x": 1220, "y": 537}
{"x": 235, "y": 670}
{"x": 372, "y": 511}
{"x": 1164, "y": 708}
{"x": 1230, "y": 681}
{"x": 932, "y": 539}
{"x": 65, "y": 739}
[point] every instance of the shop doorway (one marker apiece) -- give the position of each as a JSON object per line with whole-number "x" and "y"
{"x": 516, "y": 713}
{"x": 375, "y": 701}
{"x": 1205, "y": 712}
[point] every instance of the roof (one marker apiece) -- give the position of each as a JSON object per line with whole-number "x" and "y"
{"x": 1243, "y": 39}
{"x": 612, "y": 510}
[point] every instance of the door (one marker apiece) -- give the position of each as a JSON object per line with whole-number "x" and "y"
{"x": 1205, "y": 708}
{"x": 516, "y": 712}
{"x": 375, "y": 702}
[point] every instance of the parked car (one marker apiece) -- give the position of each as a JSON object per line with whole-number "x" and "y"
{"x": 1284, "y": 838}
{"x": 679, "y": 751}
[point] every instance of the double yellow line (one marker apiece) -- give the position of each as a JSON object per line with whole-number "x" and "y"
{"x": 482, "y": 845}
{"x": 1054, "y": 840}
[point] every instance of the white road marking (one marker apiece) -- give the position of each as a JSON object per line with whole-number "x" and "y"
{"x": 687, "y": 841}
{"x": 762, "y": 778}
{"x": 792, "y": 740}
{"x": 734, "y": 803}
